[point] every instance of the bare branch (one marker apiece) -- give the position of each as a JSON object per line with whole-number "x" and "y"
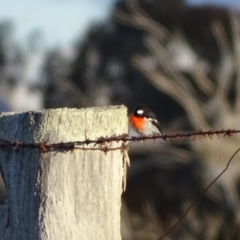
{"x": 169, "y": 87}
{"x": 225, "y": 71}
{"x": 236, "y": 46}
{"x": 200, "y": 197}
{"x": 140, "y": 19}
{"x": 157, "y": 49}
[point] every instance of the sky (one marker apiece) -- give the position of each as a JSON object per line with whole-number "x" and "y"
{"x": 62, "y": 21}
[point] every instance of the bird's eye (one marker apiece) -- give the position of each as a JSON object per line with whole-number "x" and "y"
{"x": 140, "y": 112}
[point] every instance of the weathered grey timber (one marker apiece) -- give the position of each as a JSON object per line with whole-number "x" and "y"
{"x": 62, "y": 195}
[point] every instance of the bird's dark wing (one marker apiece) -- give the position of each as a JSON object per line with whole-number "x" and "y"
{"x": 149, "y": 114}
{"x": 156, "y": 124}
{"x": 152, "y": 117}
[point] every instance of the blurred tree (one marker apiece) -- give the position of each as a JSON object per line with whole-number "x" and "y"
{"x": 11, "y": 62}
{"x": 57, "y": 89}
{"x": 6, "y": 34}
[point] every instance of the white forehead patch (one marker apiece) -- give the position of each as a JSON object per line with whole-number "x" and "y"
{"x": 140, "y": 112}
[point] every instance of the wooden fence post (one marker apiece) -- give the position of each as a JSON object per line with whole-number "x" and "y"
{"x": 58, "y": 195}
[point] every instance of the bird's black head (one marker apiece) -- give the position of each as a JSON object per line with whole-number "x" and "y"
{"x": 140, "y": 110}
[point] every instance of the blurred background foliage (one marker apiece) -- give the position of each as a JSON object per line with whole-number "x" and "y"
{"x": 183, "y": 62}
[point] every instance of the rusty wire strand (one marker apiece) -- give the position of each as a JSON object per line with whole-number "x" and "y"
{"x": 103, "y": 143}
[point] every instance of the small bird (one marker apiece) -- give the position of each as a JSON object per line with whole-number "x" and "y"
{"x": 144, "y": 121}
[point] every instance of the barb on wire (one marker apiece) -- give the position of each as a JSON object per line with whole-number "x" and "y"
{"x": 103, "y": 143}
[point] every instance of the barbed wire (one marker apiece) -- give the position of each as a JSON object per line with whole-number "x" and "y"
{"x": 104, "y": 143}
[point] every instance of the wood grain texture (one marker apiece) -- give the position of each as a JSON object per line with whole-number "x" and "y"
{"x": 62, "y": 195}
